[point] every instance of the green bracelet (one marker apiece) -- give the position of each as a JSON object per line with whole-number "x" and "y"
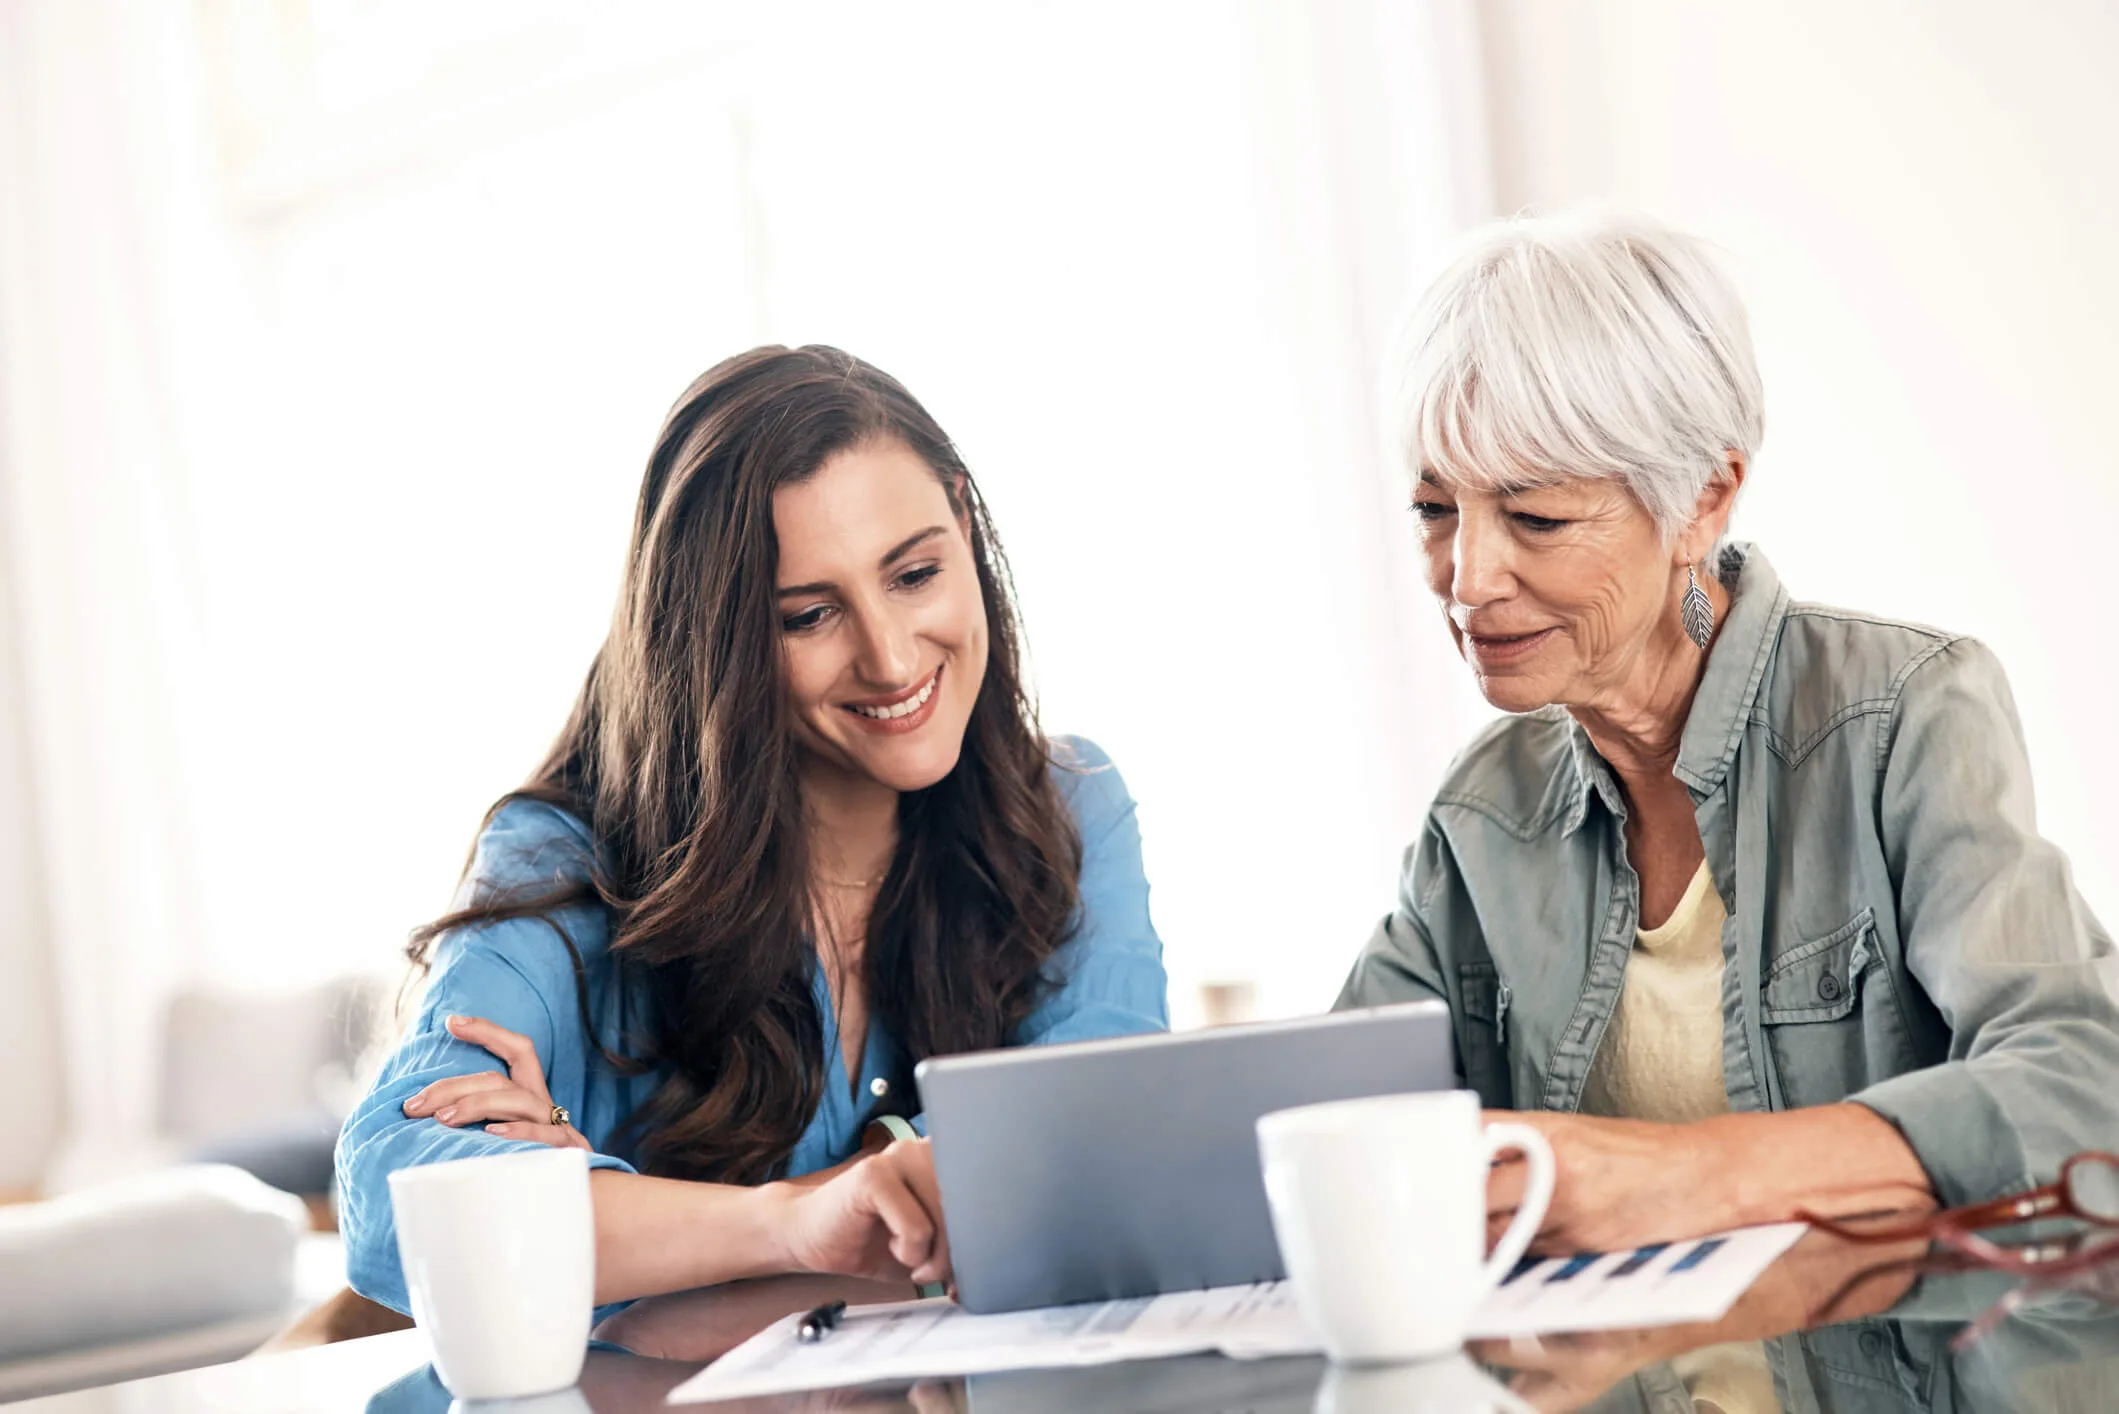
{"x": 898, "y": 1127}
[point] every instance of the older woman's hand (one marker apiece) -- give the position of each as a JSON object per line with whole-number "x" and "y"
{"x": 1618, "y": 1183}
{"x": 513, "y": 1106}
{"x": 1623, "y": 1183}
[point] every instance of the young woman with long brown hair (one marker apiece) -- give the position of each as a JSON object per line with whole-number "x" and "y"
{"x": 800, "y": 832}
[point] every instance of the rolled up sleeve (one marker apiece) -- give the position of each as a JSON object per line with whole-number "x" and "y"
{"x": 481, "y": 975}
{"x": 1996, "y": 934}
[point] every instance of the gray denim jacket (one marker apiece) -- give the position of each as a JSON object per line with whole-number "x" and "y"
{"x": 1899, "y": 933}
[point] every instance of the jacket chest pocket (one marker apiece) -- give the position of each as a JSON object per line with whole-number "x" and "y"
{"x": 1830, "y": 1022}
{"x": 1820, "y": 981}
{"x": 1482, "y": 1033}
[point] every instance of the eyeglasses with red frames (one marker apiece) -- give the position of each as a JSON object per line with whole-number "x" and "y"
{"x": 2088, "y": 1190}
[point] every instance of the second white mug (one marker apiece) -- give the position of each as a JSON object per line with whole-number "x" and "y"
{"x": 1379, "y": 1206}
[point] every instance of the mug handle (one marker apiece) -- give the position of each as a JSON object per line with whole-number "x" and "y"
{"x": 1537, "y": 1194}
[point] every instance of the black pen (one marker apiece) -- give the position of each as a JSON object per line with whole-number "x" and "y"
{"x": 817, "y": 1322}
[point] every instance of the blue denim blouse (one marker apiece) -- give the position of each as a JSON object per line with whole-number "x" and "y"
{"x": 1108, "y": 981}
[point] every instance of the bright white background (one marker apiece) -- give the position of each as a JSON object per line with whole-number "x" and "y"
{"x": 333, "y": 337}
{"x": 356, "y": 319}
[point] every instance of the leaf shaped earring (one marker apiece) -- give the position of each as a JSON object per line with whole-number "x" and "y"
{"x": 1696, "y": 610}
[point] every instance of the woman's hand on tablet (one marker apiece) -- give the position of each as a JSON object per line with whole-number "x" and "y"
{"x": 879, "y": 1217}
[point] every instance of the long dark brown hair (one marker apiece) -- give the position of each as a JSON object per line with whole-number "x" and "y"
{"x": 680, "y": 758}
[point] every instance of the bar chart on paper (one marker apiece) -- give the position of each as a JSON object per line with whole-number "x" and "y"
{"x": 1650, "y": 1286}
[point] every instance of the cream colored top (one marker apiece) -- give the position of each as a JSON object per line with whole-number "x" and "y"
{"x": 1661, "y": 1059}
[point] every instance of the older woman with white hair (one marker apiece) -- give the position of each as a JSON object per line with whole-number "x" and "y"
{"x": 1744, "y": 901}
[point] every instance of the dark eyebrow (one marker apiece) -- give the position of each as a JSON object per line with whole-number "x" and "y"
{"x": 908, "y": 545}
{"x": 897, "y": 552}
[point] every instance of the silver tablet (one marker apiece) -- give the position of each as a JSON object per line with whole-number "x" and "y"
{"x": 1107, "y": 1169}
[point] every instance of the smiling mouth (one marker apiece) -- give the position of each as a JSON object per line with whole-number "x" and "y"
{"x": 905, "y": 706}
{"x": 1499, "y": 646}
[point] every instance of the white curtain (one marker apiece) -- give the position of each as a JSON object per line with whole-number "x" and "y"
{"x": 108, "y": 351}
{"x": 332, "y": 351}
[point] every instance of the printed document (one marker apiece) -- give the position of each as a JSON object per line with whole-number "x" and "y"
{"x": 1667, "y": 1284}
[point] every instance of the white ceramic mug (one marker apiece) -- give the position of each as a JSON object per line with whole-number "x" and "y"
{"x": 1379, "y": 1206}
{"x": 500, "y": 1260}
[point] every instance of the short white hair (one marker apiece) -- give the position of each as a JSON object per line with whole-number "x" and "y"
{"x": 1592, "y": 343}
